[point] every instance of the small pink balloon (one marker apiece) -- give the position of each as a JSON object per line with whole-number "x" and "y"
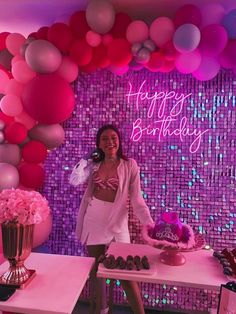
{"x": 162, "y": 30}
{"x": 93, "y": 39}
{"x": 227, "y": 57}
{"x": 11, "y": 105}
{"x": 9, "y": 176}
{"x": 119, "y": 70}
{"x": 22, "y": 72}
{"x": 14, "y": 87}
{"x": 68, "y": 69}
{"x": 42, "y": 231}
{"x": 2, "y": 137}
{"x": 10, "y": 154}
{"x": 188, "y": 62}
{"x": 213, "y": 40}
{"x": 16, "y": 59}
{"x": 208, "y": 69}
{"x": 14, "y": 41}
{"x": 137, "y": 31}
{"x": 25, "y": 119}
{"x": 4, "y": 80}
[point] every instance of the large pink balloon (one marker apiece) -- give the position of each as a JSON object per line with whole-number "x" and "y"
{"x": 10, "y": 154}
{"x": 14, "y": 88}
{"x": 52, "y": 135}
{"x": 188, "y": 62}
{"x": 42, "y": 56}
{"x": 48, "y": 99}
{"x": 212, "y": 13}
{"x": 213, "y": 40}
{"x": 208, "y": 69}
{"x": 188, "y": 13}
{"x": 137, "y": 31}
{"x": 9, "y": 177}
{"x": 162, "y": 30}
{"x": 100, "y": 16}
{"x": 227, "y": 57}
{"x": 42, "y": 231}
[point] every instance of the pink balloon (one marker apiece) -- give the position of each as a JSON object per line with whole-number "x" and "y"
{"x": 9, "y": 176}
{"x": 25, "y": 119}
{"x": 227, "y": 57}
{"x": 52, "y": 135}
{"x": 162, "y": 30}
{"x": 137, "y": 31}
{"x": 14, "y": 88}
{"x": 42, "y": 231}
{"x": 42, "y": 56}
{"x": 68, "y": 69}
{"x": 22, "y": 72}
{"x": 10, "y": 154}
{"x": 16, "y": 59}
{"x": 213, "y": 40}
{"x": 93, "y": 39}
{"x": 188, "y": 13}
{"x": 188, "y": 62}
{"x": 212, "y": 13}
{"x": 119, "y": 70}
{"x": 208, "y": 69}
{"x": 100, "y": 16}
{"x": 4, "y": 79}
{"x": 14, "y": 41}
{"x": 11, "y": 105}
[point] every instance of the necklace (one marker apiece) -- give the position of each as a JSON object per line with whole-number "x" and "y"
{"x": 109, "y": 168}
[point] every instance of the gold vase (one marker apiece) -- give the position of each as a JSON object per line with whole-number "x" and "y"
{"x": 17, "y": 240}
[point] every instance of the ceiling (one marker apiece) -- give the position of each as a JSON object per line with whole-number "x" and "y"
{"x": 26, "y": 16}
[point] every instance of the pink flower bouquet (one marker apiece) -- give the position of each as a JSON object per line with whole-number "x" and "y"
{"x": 24, "y": 207}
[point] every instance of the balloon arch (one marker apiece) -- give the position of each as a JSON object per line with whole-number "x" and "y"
{"x": 36, "y": 72}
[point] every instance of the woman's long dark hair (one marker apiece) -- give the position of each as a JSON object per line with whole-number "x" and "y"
{"x": 100, "y": 153}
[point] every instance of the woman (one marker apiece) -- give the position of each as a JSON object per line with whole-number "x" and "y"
{"x": 103, "y": 213}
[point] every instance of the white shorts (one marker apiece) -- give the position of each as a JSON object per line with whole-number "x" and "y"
{"x": 95, "y": 224}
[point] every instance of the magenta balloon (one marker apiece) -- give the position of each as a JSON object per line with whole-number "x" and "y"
{"x": 9, "y": 177}
{"x": 208, "y": 69}
{"x": 186, "y": 38}
{"x": 228, "y": 55}
{"x": 10, "y": 153}
{"x": 52, "y": 135}
{"x": 188, "y": 13}
{"x": 188, "y": 62}
{"x": 213, "y": 40}
{"x": 100, "y": 16}
{"x": 212, "y": 13}
{"x": 42, "y": 56}
{"x": 48, "y": 99}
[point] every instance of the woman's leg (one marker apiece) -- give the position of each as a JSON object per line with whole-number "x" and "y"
{"x": 98, "y": 285}
{"x": 133, "y": 295}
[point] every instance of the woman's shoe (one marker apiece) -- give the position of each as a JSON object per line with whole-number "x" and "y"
{"x": 105, "y": 311}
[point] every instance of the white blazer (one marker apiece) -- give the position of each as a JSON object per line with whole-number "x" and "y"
{"x": 129, "y": 187}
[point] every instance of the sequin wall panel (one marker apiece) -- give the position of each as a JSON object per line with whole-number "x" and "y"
{"x": 182, "y": 134}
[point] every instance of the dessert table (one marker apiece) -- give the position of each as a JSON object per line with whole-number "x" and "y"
{"x": 201, "y": 269}
{"x": 56, "y": 287}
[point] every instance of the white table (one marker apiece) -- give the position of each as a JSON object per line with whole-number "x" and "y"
{"x": 201, "y": 269}
{"x": 56, "y": 287}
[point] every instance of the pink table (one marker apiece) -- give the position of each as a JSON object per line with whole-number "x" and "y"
{"x": 56, "y": 287}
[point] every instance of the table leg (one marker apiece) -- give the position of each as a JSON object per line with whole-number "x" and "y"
{"x": 111, "y": 290}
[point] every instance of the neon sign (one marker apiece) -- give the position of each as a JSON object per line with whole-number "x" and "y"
{"x": 164, "y": 119}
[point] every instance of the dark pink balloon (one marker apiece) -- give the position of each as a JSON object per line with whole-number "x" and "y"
{"x": 188, "y": 13}
{"x": 48, "y": 99}
{"x": 213, "y": 40}
{"x": 228, "y": 55}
